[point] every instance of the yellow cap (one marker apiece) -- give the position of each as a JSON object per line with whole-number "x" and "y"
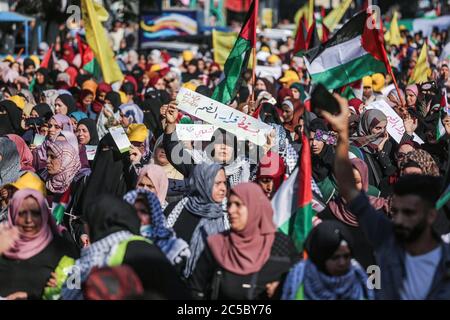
{"x": 188, "y": 55}
{"x": 90, "y": 85}
{"x": 265, "y": 49}
{"x": 137, "y": 132}
{"x": 274, "y": 59}
{"x": 156, "y": 68}
{"x": 378, "y": 81}
{"x": 123, "y": 97}
{"x": 36, "y": 60}
{"x": 30, "y": 180}
{"x": 9, "y": 58}
{"x": 19, "y": 101}
{"x": 290, "y": 77}
{"x": 190, "y": 85}
{"x": 402, "y": 28}
{"x": 367, "y": 81}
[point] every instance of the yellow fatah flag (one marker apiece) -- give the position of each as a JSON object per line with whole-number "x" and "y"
{"x": 335, "y": 16}
{"x": 422, "y": 69}
{"x": 394, "y": 37}
{"x": 302, "y": 12}
{"x": 310, "y": 13}
{"x": 93, "y": 16}
{"x": 223, "y": 42}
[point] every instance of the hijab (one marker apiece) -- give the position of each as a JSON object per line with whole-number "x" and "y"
{"x": 69, "y": 102}
{"x": 339, "y": 209}
{"x": 151, "y": 108}
{"x": 132, "y": 112}
{"x": 11, "y": 121}
{"x": 92, "y": 128}
{"x": 109, "y": 214}
{"x": 43, "y": 110}
{"x": 70, "y": 165}
{"x": 366, "y": 140}
{"x": 78, "y": 115}
{"x": 26, "y": 157}
{"x": 159, "y": 178}
{"x": 29, "y": 246}
{"x": 245, "y": 252}
{"x": 10, "y": 162}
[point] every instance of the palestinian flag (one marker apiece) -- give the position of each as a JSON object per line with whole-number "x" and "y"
{"x": 313, "y": 39}
{"x": 296, "y": 203}
{"x": 88, "y": 61}
{"x": 300, "y": 45}
{"x": 237, "y": 61}
{"x": 353, "y": 52}
{"x": 59, "y": 208}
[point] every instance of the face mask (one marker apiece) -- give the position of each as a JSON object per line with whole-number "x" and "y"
{"x": 146, "y": 231}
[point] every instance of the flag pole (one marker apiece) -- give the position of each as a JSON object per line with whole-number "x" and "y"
{"x": 253, "y": 73}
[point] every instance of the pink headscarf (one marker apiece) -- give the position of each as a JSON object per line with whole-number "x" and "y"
{"x": 70, "y": 165}
{"x": 26, "y": 157}
{"x": 29, "y": 246}
{"x": 63, "y": 121}
{"x": 413, "y": 88}
{"x": 247, "y": 251}
{"x": 159, "y": 178}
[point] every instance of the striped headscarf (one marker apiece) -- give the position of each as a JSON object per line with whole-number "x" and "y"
{"x": 70, "y": 165}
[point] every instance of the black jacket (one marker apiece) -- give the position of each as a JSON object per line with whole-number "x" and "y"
{"x": 31, "y": 275}
{"x": 210, "y": 281}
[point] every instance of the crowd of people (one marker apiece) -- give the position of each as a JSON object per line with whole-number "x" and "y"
{"x": 165, "y": 220}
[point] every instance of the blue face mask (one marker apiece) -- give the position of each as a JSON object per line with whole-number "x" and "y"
{"x": 146, "y": 231}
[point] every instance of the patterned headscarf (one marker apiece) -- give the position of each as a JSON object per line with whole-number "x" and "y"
{"x": 424, "y": 160}
{"x": 70, "y": 165}
{"x": 10, "y": 161}
{"x": 366, "y": 140}
{"x": 132, "y": 112}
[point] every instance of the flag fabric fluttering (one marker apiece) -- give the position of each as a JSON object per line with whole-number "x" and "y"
{"x": 422, "y": 69}
{"x": 393, "y": 36}
{"x": 238, "y": 59}
{"x": 353, "y": 52}
{"x": 48, "y": 59}
{"x": 88, "y": 61}
{"x": 335, "y": 16}
{"x": 296, "y": 203}
{"x": 222, "y": 45}
{"x": 93, "y": 16}
{"x": 300, "y": 45}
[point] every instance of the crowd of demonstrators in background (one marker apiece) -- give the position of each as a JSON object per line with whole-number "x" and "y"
{"x": 180, "y": 222}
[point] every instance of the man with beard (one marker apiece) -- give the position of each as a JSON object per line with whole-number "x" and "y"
{"x": 414, "y": 263}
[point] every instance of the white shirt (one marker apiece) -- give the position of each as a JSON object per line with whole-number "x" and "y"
{"x": 420, "y": 272}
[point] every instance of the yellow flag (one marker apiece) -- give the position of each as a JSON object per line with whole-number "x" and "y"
{"x": 422, "y": 69}
{"x": 93, "y": 16}
{"x": 302, "y": 12}
{"x": 223, "y": 42}
{"x": 334, "y": 17}
{"x": 393, "y": 36}
{"x": 310, "y": 13}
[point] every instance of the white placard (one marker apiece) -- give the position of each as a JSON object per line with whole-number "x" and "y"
{"x": 90, "y": 152}
{"x": 120, "y": 138}
{"x": 195, "y": 132}
{"x": 38, "y": 139}
{"x": 218, "y": 114}
{"x": 395, "y": 126}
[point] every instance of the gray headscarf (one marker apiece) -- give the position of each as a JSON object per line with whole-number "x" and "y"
{"x": 10, "y": 162}
{"x": 200, "y": 203}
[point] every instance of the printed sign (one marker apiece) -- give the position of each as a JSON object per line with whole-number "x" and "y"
{"x": 90, "y": 152}
{"x": 120, "y": 138}
{"x": 218, "y": 114}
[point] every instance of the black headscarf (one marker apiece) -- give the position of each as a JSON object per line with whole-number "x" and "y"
{"x": 92, "y": 128}
{"x": 222, "y": 136}
{"x": 269, "y": 114}
{"x": 43, "y": 111}
{"x": 324, "y": 240}
{"x": 69, "y": 102}
{"x": 114, "y": 98}
{"x": 38, "y": 87}
{"x": 110, "y": 174}
{"x": 10, "y": 122}
{"x": 109, "y": 214}
{"x": 151, "y": 108}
